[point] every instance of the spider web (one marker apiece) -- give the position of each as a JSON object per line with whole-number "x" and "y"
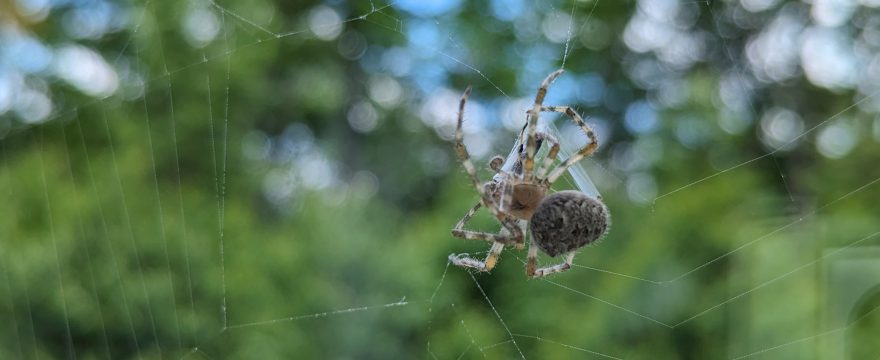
{"x": 159, "y": 268}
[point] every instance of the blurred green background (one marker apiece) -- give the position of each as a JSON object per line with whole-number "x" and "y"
{"x": 259, "y": 179}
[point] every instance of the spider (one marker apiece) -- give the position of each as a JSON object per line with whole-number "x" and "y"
{"x": 517, "y": 196}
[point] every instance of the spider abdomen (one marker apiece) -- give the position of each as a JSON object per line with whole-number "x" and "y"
{"x": 568, "y": 220}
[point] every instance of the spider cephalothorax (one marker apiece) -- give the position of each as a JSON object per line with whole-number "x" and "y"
{"x": 517, "y": 196}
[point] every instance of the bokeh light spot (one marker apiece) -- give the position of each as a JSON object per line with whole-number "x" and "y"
{"x": 827, "y": 60}
{"x": 780, "y": 128}
{"x": 86, "y": 70}
{"x": 362, "y": 117}
{"x": 325, "y": 23}
{"x": 836, "y": 140}
{"x": 640, "y": 118}
{"x": 427, "y": 7}
{"x": 556, "y": 26}
{"x": 33, "y": 106}
{"x": 641, "y": 187}
{"x": 507, "y": 10}
{"x": 200, "y": 26}
{"x": 385, "y": 91}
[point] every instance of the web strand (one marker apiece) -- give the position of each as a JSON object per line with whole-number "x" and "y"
{"x": 137, "y": 27}
{"x": 218, "y": 139}
{"x": 222, "y": 185}
{"x": 205, "y": 59}
{"x": 467, "y": 331}
{"x": 128, "y": 226}
{"x": 183, "y": 225}
{"x": 568, "y": 33}
{"x": 589, "y": 16}
{"x": 462, "y": 63}
{"x": 745, "y": 245}
{"x": 105, "y": 230}
{"x": 88, "y": 248}
{"x": 771, "y": 153}
{"x": 431, "y": 307}
{"x": 496, "y": 314}
{"x": 401, "y": 302}
{"x": 811, "y": 337}
{"x": 780, "y": 277}
{"x": 784, "y": 182}
{"x": 538, "y": 338}
{"x": 790, "y": 343}
{"x": 30, "y": 315}
{"x": 11, "y": 304}
{"x": 606, "y": 302}
{"x": 161, "y": 219}
{"x": 242, "y": 19}
{"x": 216, "y": 196}
{"x": 68, "y": 340}
{"x": 714, "y": 307}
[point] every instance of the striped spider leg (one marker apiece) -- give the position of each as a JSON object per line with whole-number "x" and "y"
{"x": 511, "y": 232}
{"x": 573, "y": 201}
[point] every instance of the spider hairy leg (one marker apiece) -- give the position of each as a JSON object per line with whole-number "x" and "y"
{"x": 513, "y": 234}
{"x": 486, "y": 265}
{"x": 460, "y": 232}
{"x": 582, "y": 153}
{"x": 465, "y": 159}
{"x": 567, "y": 260}
{"x": 460, "y": 149}
{"x": 532, "y": 117}
{"x": 551, "y": 156}
{"x": 532, "y": 261}
{"x": 460, "y": 224}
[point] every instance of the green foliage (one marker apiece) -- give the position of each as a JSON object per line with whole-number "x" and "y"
{"x": 148, "y": 225}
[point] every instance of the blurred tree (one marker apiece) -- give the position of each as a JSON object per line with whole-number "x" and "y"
{"x": 260, "y": 180}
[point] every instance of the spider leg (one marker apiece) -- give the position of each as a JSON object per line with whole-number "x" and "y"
{"x": 467, "y": 217}
{"x": 516, "y": 234}
{"x": 460, "y": 149}
{"x": 532, "y": 262}
{"x": 582, "y": 153}
{"x": 551, "y": 156}
{"x": 532, "y": 117}
{"x": 498, "y": 242}
{"x": 486, "y": 265}
{"x": 506, "y": 195}
{"x": 460, "y": 232}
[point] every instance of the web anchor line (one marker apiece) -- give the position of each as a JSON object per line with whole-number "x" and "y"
{"x": 68, "y": 336}
{"x": 822, "y": 334}
{"x": 712, "y": 308}
{"x": 501, "y": 320}
{"x": 566, "y": 346}
{"x": 792, "y": 141}
{"x": 399, "y": 303}
{"x": 431, "y": 307}
{"x": 743, "y": 246}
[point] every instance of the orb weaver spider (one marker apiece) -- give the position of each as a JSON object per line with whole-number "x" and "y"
{"x": 517, "y": 196}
